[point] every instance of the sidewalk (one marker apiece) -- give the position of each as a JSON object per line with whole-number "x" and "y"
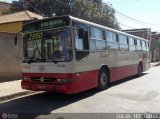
{"x": 12, "y": 89}
{"x": 155, "y": 64}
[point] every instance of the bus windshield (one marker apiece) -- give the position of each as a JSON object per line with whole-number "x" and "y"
{"x": 51, "y": 45}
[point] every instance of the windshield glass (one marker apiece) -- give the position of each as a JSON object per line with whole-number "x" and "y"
{"x": 52, "y": 45}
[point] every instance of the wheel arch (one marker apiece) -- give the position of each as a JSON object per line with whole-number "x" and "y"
{"x": 106, "y": 67}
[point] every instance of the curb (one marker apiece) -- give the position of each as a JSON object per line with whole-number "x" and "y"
{"x": 15, "y": 95}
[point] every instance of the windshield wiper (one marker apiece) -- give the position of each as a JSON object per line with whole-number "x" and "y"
{"x": 33, "y": 55}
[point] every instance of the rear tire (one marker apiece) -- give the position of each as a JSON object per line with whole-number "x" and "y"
{"x": 103, "y": 79}
{"x": 140, "y": 70}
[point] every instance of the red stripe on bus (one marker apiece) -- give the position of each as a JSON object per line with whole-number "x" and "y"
{"x": 117, "y": 73}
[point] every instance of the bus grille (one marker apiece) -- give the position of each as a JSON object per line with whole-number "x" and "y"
{"x": 43, "y": 80}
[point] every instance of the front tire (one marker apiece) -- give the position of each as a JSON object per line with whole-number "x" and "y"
{"x": 103, "y": 79}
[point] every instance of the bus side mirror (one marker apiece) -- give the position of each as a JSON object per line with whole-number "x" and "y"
{"x": 15, "y": 40}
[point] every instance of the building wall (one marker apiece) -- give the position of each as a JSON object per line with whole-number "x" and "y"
{"x": 12, "y": 27}
{"x": 11, "y": 57}
{"x": 143, "y": 33}
{"x": 155, "y": 47}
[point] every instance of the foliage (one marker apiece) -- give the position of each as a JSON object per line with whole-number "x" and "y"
{"x": 91, "y": 10}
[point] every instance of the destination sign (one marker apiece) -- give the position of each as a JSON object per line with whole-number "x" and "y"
{"x": 46, "y": 24}
{"x": 51, "y": 23}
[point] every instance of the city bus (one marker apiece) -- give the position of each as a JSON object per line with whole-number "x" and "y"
{"x": 68, "y": 55}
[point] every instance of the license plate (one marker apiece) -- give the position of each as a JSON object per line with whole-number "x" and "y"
{"x": 41, "y": 87}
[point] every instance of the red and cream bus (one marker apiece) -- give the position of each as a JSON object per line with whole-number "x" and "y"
{"x": 69, "y": 55}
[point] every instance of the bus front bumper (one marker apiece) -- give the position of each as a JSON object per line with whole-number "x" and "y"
{"x": 46, "y": 87}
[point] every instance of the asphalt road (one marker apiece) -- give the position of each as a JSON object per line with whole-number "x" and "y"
{"x": 131, "y": 95}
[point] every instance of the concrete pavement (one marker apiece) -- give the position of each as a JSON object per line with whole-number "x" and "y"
{"x": 12, "y": 89}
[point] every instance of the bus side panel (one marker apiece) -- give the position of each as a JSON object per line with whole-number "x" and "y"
{"x": 84, "y": 81}
{"x": 117, "y": 73}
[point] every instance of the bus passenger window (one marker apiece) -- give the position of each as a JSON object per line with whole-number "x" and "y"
{"x": 121, "y": 39}
{"x": 114, "y": 37}
{"x": 97, "y": 39}
{"x": 125, "y": 40}
{"x": 109, "y": 36}
{"x": 81, "y": 40}
{"x": 138, "y": 42}
{"x": 131, "y": 41}
{"x": 131, "y": 44}
{"x": 123, "y": 43}
{"x": 112, "y": 41}
{"x": 139, "y": 45}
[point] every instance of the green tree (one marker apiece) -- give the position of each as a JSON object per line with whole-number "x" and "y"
{"x": 91, "y": 10}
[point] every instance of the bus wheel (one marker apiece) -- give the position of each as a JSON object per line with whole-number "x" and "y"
{"x": 103, "y": 79}
{"x": 139, "y": 70}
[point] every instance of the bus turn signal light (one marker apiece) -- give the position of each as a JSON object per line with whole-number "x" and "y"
{"x": 64, "y": 81}
{"x": 26, "y": 78}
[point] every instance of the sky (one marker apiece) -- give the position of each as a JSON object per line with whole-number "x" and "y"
{"x": 147, "y": 12}
{"x": 7, "y": 0}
